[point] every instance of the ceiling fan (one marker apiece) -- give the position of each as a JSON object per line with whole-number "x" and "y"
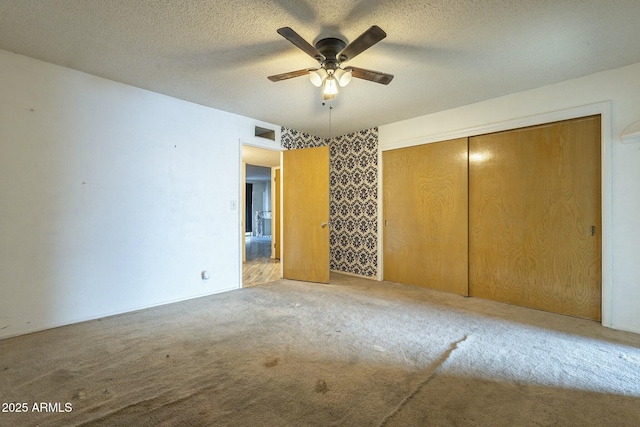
{"x": 331, "y": 53}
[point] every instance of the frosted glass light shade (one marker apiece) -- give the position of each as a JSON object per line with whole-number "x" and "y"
{"x": 343, "y": 77}
{"x": 317, "y": 76}
{"x": 330, "y": 86}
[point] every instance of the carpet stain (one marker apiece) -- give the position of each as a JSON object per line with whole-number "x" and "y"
{"x": 79, "y": 394}
{"x": 271, "y": 363}
{"x": 321, "y": 387}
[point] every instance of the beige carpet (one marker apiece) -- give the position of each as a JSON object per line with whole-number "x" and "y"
{"x": 352, "y": 353}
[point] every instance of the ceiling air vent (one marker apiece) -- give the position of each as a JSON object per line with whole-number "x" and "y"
{"x": 265, "y": 133}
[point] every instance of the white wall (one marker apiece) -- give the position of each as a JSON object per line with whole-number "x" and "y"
{"x": 622, "y": 88}
{"x": 112, "y": 198}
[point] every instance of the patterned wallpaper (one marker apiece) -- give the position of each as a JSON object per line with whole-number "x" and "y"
{"x": 292, "y": 139}
{"x": 353, "y": 208}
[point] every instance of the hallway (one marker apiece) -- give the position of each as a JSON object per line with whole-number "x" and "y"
{"x": 260, "y": 267}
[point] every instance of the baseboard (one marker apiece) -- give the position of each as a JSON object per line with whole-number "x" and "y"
{"x": 375, "y": 278}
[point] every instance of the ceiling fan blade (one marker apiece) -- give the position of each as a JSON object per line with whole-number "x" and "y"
{"x": 373, "y": 76}
{"x": 301, "y": 43}
{"x": 290, "y": 75}
{"x": 367, "y": 39}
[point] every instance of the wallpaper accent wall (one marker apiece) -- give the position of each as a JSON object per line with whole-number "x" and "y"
{"x": 353, "y": 210}
{"x": 292, "y": 139}
{"x": 353, "y": 206}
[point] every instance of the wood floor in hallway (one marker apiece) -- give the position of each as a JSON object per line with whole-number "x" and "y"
{"x": 259, "y": 267}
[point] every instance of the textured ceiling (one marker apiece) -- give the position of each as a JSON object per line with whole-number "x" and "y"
{"x": 443, "y": 53}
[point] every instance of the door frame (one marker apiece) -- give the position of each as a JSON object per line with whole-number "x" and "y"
{"x": 256, "y": 143}
{"x": 606, "y": 142}
{"x": 278, "y": 189}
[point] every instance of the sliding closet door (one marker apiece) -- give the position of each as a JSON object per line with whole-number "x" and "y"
{"x": 425, "y": 216}
{"x": 535, "y": 217}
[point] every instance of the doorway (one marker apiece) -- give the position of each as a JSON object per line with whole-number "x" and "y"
{"x": 261, "y": 263}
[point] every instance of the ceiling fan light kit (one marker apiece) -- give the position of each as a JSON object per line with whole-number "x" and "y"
{"x": 331, "y": 53}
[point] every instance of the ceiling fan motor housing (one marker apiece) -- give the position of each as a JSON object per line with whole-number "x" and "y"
{"x": 330, "y": 48}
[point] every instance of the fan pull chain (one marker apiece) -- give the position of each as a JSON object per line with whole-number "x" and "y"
{"x": 330, "y": 133}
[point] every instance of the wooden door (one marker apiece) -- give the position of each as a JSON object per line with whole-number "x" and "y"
{"x": 426, "y": 216}
{"x": 305, "y": 176}
{"x": 275, "y": 217}
{"x": 535, "y": 217}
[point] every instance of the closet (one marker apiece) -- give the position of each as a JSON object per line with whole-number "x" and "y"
{"x": 512, "y": 216}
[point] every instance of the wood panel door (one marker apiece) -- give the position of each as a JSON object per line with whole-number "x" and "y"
{"x": 305, "y": 175}
{"x": 535, "y": 217}
{"x": 426, "y": 216}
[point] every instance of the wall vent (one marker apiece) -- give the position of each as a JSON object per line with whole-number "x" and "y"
{"x": 265, "y": 133}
